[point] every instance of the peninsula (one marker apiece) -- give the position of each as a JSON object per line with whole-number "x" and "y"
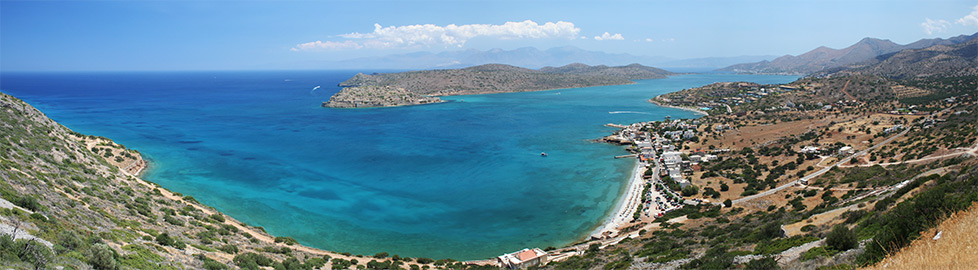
{"x": 424, "y": 87}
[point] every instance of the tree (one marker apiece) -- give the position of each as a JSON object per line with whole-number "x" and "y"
{"x": 841, "y": 238}
{"x": 727, "y": 203}
{"x": 690, "y": 190}
{"x": 103, "y": 257}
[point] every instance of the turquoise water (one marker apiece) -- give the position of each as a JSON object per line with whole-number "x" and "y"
{"x": 462, "y": 179}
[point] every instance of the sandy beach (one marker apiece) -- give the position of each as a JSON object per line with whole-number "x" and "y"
{"x": 626, "y": 205}
{"x": 694, "y": 110}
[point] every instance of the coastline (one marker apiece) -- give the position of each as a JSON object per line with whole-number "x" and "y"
{"x": 626, "y": 204}
{"x": 694, "y": 110}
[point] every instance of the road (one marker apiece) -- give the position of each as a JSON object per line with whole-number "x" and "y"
{"x": 826, "y": 169}
{"x": 822, "y": 171}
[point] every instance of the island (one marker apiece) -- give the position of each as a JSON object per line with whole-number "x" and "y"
{"x": 424, "y": 87}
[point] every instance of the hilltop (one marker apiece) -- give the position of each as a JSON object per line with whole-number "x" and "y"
{"x": 822, "y": 58}
{"x": 421, "y": 87}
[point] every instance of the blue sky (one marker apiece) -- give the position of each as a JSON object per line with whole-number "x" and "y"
{"x": 234, "y": 35}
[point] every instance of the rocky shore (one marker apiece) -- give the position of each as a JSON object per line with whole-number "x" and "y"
{"x": 377, "y": 96}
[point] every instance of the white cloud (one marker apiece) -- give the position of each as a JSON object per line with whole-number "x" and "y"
{"x": 970, "y": 19}
{"x": 649, "y": 40}
{"x": 609, "y": 36}
{"x": 449, "y": 35}
{"x": 934, "y": 26}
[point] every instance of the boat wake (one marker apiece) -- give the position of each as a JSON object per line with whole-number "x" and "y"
{"x": 617, "y": 112}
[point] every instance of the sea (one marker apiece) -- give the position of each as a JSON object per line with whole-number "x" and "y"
{"x": 463, "y": 179}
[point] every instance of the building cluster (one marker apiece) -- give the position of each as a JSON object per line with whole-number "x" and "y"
{"x": 746, "y": 93}
{"x": 658, "y": 145}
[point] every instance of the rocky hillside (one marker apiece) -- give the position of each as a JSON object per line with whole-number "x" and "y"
{"x": 825, "y": 58}
{"x": 939, "y": 60}
{"x": 73, "y": 201}
{"x": 484, "y": 79}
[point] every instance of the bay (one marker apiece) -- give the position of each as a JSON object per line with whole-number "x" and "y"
{"x": 462, "y": 179}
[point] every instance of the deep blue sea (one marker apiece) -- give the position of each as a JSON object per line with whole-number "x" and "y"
{"x": 462, "y": 179}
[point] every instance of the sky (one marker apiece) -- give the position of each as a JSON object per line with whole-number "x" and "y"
{"x": 260, "y": 35}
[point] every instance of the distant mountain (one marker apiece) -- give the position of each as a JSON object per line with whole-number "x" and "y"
{"x": 629, "y": 72}
{"x": 823, "y": 58}
{"x": 953, "y": 60}
{"x": 531, "y": 58}
{"x": 419, "y": 87}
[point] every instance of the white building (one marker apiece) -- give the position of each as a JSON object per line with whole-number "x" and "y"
{"x": 672, "y": 158}
{"x": 810, "y": 150}
{"x": 846, "y": 150}
{"x": 523, "y": 258}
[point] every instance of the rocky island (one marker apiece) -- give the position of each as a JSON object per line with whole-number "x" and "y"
{"x": 424, "y": 87}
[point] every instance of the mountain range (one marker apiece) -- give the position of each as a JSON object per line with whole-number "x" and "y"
{"x": 530, "y": 57}
{"x": 822, "y": 58}
{"x": 954, "y": 60}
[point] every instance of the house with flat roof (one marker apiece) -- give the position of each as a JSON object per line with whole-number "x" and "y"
{"x": 846, "y": 150}
{"x": 523, "y": 258}
{"x": 810, "y": 150}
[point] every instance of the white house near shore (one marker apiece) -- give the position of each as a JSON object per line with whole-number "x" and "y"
{"x": 523, "y": 258}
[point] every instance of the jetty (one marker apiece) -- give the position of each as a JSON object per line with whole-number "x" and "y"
{"x": 627, "y": 156}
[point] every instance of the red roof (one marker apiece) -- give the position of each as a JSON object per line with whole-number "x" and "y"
{"x": 526, "y": 255}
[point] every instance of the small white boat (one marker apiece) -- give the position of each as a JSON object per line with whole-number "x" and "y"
{"x": 543, "y": 154}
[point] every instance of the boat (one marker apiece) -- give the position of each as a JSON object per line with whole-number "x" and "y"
{"x": 543, "y": 154}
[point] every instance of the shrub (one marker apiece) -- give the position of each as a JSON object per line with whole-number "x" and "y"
{"x": 229, "y": 249}
{"x": 841, "y": 238}
{"x": 103, "y": 257}
{"x": 287, "y": 240}
{"x": 29, "y": 203}
{"x": 252, "y": 260}
{"x": 217, "y": 217}
{"x": 165, "y": 239}
{"x": 210, "y": 264}
{"x": 763, "y": 264}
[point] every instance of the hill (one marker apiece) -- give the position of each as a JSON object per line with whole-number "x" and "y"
{"x": 825, "y": 58}
{"x": 418, "y": 87}
{"x": 73, "y": 201}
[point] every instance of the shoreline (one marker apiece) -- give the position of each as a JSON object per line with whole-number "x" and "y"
{"x": 625, "y": 206}
{"x": 693, "y": 110}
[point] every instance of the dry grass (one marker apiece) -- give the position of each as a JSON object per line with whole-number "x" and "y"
{"x": 956, "y": 249}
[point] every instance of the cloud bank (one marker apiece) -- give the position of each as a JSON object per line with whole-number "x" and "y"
{"x": 427, "y": 35}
